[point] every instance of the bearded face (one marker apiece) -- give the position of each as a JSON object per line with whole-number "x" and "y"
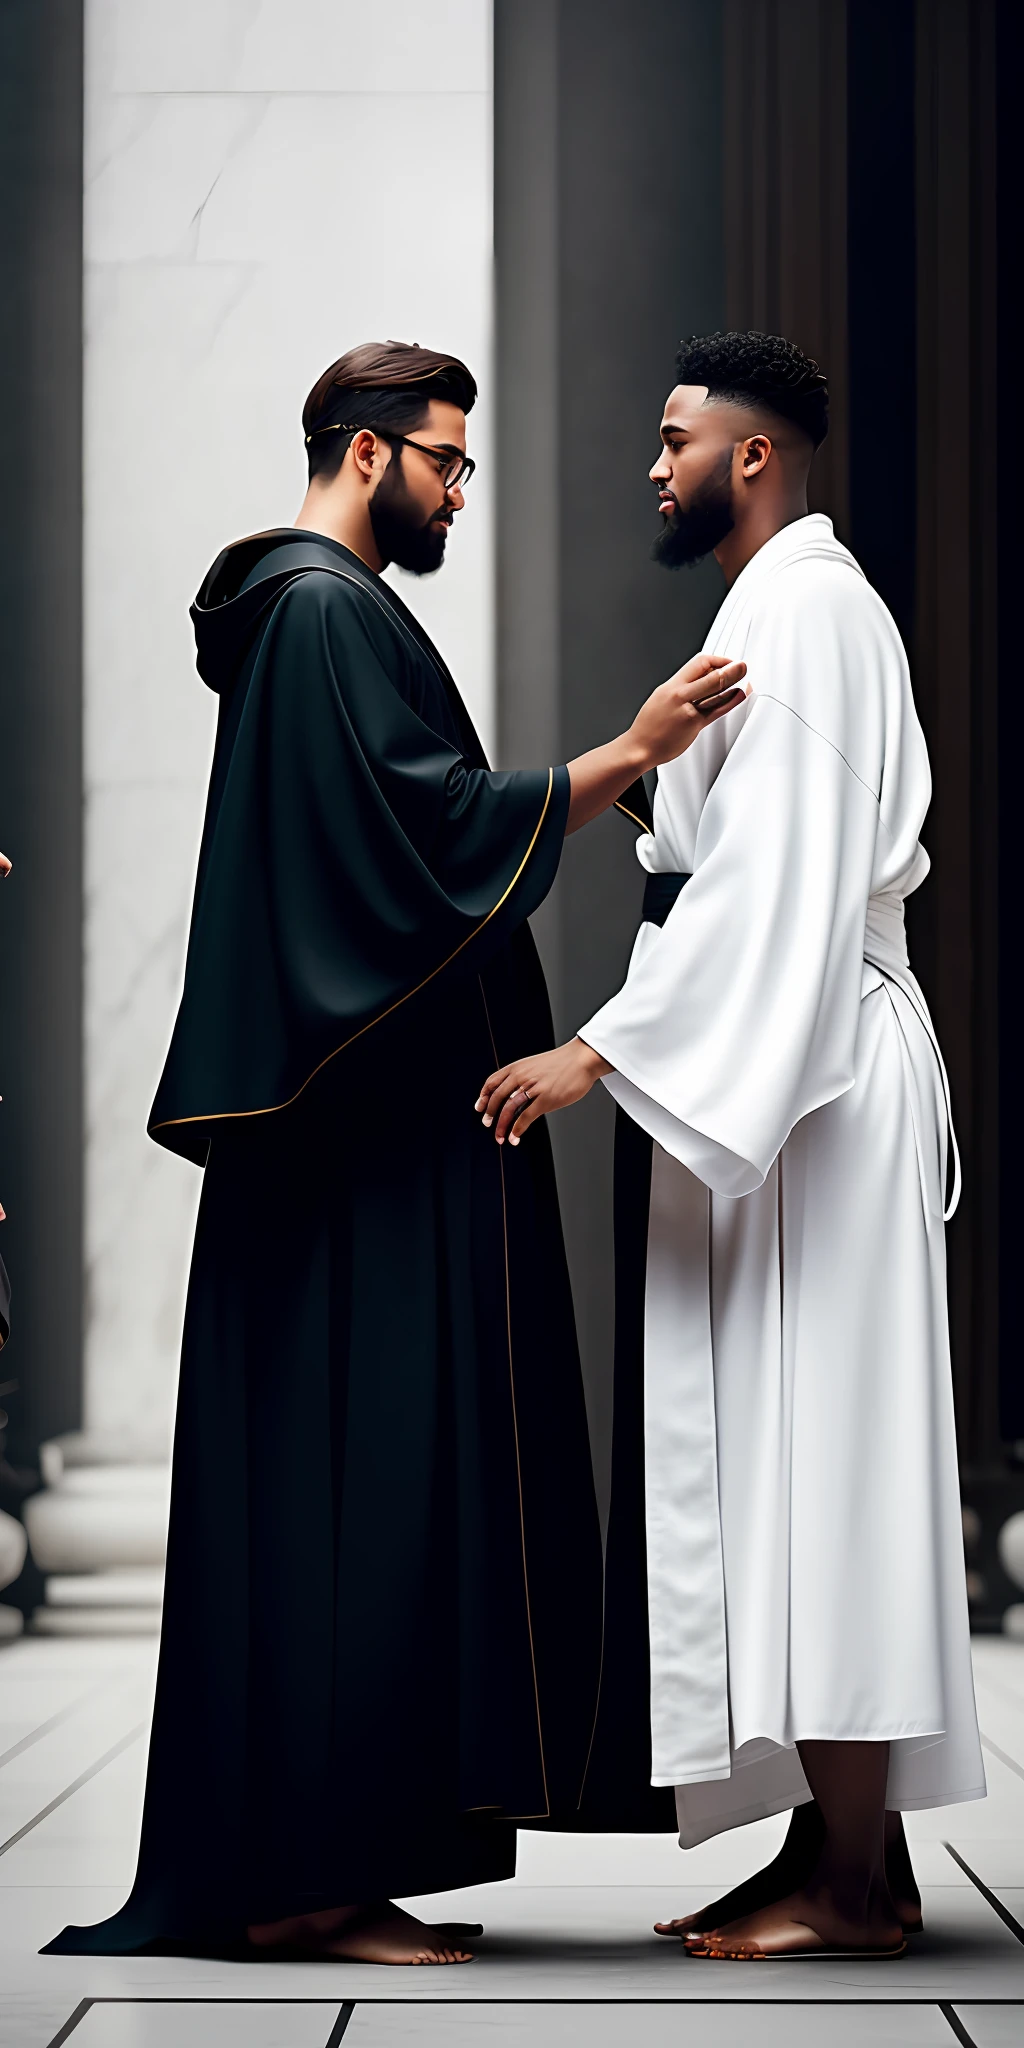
{"x": 402, "y": 534}
{"x": 695, "y": 529}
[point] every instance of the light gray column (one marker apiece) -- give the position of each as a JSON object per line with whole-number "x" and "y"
{"x": 261, "y": 184}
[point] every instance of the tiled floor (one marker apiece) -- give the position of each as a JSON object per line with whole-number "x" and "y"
{"x": 569, "y": 1956}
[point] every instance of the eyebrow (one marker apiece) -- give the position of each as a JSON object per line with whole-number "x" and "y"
{"x": 668, "y": 428}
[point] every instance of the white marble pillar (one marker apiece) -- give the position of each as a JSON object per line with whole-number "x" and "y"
{"x": 267, "y": 182}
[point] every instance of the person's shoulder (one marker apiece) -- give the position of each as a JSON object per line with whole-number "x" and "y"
{"x": 343, "y": 604}
{"x": 829, "y": 594}
{"x": 826, "y": 648}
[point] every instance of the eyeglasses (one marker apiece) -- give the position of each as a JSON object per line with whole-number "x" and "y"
{"x": 453, "y": 467}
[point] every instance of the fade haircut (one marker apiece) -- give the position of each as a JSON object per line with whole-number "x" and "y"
{"x": 762, "y": 372}
{"x": 379, "y": 384}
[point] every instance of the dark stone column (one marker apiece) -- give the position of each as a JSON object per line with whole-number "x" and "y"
{"x": 839, "y": 175}
{"x": 784, "y": 180}
{"x": 956, "y": 648}
{"x": 609, "y": 248}
{"x": 40, "y": 707}
{"x": 1010, "y": 205}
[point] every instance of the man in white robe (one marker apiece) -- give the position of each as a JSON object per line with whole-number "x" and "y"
{"x": 807, "y": 1611}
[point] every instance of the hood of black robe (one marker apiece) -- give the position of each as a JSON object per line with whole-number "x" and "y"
{"x": 356, "y": 845}
{"x": 233, "y": 599}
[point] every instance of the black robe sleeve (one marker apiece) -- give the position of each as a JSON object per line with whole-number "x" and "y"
{"x": 350, "y": 855}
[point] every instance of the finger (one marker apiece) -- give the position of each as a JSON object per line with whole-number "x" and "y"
{"x": 489, "y": 1085}
{"x": 499, "y": 1096}
{"x": 495, "y": 1097}
{"x": 508, "y": 1116}
{"x": 514, "y": 1105}
{"x": 525, "y": 1118}
{"x": 721, "y": 701}
{"x": 713, "y": 707}
{"x": 724, "y": 678}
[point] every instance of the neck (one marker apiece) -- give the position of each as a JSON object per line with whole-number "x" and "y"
{"x": 327, "y": 510}
{"x": 749, "y": 535}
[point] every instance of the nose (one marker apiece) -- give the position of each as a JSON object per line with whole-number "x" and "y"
{"x": 660, "y": 471}
{"x": 455, "y": 497}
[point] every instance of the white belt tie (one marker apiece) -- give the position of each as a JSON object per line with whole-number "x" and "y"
{"x": 885, "y": 947}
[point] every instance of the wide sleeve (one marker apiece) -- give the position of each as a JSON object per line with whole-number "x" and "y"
{"x": 350, "y": 856}
{"x": 739, "y": 1016}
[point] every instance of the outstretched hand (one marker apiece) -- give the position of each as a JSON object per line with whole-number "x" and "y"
{"x": 514, "y": 1097}
{"x": 676, "y": 713}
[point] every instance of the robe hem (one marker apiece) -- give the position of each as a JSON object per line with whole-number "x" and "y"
{"x": 942, "y": 1799}
{"x": 717, "y": 1775}
{"x": 742, "y": 1817}
{"x": 766, "y": 1809}
{"x": 723, "y": 1776}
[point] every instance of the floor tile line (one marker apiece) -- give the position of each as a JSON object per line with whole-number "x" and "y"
{"x": 344, "y": 2015}
{"x": 416, "y": 1999}
{"x": 64, "y": 2033}
{"x": 987, "y": 1743}
{"x": 93, "y": 1771}
{"x": 956, "y": 2024}
{"x": 628, "y": 1998}
{"x": 44, "y": 1728}
{"x": 996, "y": 1904}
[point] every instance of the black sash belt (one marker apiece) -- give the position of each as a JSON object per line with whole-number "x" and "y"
{"x": 660, "y": 892}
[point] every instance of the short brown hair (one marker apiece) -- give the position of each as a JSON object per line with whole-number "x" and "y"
{"x": 390, "y": 366}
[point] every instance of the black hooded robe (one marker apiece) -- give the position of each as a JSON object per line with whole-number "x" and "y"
{"x": 381, "y": 1624}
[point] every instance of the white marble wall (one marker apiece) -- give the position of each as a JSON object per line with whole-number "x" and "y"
{"x": 267, "y": 182}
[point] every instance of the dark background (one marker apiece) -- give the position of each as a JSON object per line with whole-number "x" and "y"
{"x": 844, "y": 174}
{"x": 41, "y": 711}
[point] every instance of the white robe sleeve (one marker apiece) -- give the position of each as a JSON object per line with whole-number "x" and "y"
{"x": 739, "y": 1016}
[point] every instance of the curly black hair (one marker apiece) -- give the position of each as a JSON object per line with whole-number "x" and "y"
{"x": 759, "y": 370}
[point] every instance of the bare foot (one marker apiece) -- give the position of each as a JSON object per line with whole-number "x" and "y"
{"x": 765, "y": 1888}
{"x": 791, "y": 1869}
{"x": 378, "y": 1933}
{"x": 806, "y": 1923}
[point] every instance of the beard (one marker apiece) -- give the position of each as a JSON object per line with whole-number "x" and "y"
{"x": 402, "y": 535}
{"x": 687, "y": 537}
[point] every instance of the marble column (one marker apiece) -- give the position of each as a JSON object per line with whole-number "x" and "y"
{"x": 267, "y": 182}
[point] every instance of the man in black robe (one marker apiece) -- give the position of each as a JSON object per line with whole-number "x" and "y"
{"x": 382, "y": 1612}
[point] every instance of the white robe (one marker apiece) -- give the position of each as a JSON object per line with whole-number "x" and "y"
{"x": 805, "y": 1559}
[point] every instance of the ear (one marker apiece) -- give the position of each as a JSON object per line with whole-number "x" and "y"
{"x": 366, "y": 453}
{"x": 754, "y": 456}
